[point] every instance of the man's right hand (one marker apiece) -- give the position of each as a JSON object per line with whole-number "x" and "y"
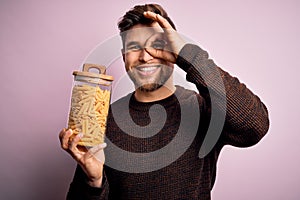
{"x": 91, "y": 160}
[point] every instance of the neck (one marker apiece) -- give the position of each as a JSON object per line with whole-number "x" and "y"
{"x": 156, "y": 95}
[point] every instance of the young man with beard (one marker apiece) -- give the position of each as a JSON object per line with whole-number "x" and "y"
{"x": 162, "y": 168}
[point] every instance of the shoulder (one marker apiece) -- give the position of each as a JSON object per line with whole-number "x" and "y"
{"x": 191, "y": 98}
{"x": 122, "y": 101}
{"x": 187, "y": 94}
{"x": 183, "y": 92}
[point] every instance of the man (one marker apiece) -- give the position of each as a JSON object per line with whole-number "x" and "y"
{"x": 151, "y": 47}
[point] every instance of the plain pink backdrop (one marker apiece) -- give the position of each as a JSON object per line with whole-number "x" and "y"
{"x": 42, "y": 42}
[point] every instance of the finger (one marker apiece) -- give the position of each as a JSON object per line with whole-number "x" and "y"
{"x": 157, "y": 46}
{"x": 94, "y": 152}
{"x": 98, "y": 152}
{"x": 61, "y": 134}
{"x": 74, "y": 142}
{"x": 162, "y": 54}
{"x": 97, "y": 148}
{"x": 158, "y": 18}
{"x": 64, "y": 137}
{"x": 157, "y": 53}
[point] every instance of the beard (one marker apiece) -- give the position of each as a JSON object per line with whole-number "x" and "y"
{"x": 152, "y": 82}
{"x": 150, "y": 87}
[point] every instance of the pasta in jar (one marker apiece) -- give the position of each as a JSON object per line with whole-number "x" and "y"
{"x": 88, "y": 112}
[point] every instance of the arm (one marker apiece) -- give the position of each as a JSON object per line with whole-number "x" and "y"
{"x": 88, "y": 182}
{"x": 246, "y": 120}
{"x": 81, "y": 190}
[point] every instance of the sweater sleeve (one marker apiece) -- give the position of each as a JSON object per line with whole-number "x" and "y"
{"x": 246, "y": 117}
{"x": 81, "y": 190}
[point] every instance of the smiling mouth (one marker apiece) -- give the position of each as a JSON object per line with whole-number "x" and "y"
{"x": 147, "y": 70}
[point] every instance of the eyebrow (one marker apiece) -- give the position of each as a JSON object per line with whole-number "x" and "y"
{"x": 131, "y": 43}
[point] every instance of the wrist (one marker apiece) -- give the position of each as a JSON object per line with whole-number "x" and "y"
{"x": 95, "y": 182}
{"x": 179, "y": 47}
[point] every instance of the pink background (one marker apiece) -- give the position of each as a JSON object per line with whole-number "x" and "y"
{"x": 42, "y": 42}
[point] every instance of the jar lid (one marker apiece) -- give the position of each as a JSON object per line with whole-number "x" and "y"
{"x": 93, "y": 75}
{"x": 86, "y": 73}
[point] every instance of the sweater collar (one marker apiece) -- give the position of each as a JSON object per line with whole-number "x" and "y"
{"x": 145, "y": 106}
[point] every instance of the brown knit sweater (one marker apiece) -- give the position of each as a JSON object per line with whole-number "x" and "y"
{"x": 188, "y": 176}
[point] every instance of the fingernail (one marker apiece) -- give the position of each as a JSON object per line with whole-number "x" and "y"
{"x": 70, "y": 131}
{"x": 80, "y": 135}
{"x": 103, "y": 145}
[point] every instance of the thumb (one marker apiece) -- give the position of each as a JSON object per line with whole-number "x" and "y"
{"x": 98, "y": 152}
{"x": 161, "y": 54}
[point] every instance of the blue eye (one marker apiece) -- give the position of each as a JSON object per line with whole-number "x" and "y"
{"x": 159, "y": 44}
{"x": 134, "y": 47}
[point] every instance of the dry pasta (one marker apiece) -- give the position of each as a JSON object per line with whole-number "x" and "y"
{"x": 88, "y": 114}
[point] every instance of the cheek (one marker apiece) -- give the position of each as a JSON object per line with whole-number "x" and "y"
{"x": 171, "y": 65}
{"x": 126, "y": 64}
{"x": 130, "y": 59}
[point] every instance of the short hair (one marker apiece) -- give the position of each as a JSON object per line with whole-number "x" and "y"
{"x": 136, "y": 16}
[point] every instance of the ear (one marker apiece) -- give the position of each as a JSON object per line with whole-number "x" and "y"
{"x": 123, "y": 54}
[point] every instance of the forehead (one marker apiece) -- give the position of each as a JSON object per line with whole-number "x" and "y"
{"x": 141, "y": 33}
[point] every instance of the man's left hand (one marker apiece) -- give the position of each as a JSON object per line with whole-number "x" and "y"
{"x": 174, "y": 41}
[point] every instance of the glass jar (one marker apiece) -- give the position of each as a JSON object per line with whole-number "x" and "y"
{"x": 90, "y": 102}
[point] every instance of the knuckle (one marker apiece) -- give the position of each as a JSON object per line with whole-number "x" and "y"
{"x": 62, "y": 135}
{"x": 64, "y": 146}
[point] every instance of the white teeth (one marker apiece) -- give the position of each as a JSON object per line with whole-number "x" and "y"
{"x": 146, "y": 69}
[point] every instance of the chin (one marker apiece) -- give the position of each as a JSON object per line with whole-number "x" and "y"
{"x": 149, "y": 87}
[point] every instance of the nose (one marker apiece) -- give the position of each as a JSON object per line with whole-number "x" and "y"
{"x": 145, "y": 56}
